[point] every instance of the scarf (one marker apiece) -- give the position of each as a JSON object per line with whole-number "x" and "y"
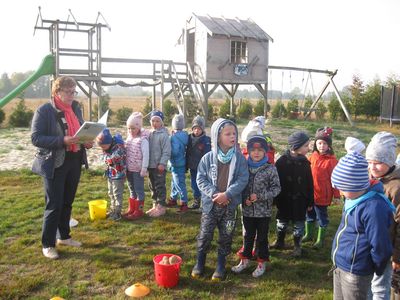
{"x": 253, "y": 164}
{"x": 225, "y": 157}
{"x": 350, "y": 205}
{"x": 70, "y": 118}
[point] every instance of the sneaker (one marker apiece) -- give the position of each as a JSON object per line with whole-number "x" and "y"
{"x": 151, "y": 210}
{"x": 243, "y": 264}
{"x": 183, "y": 208}
{"x": 50, "y": 252}
{"x": 158, "y": 211}
{"x": 260, "y": 270}
{"x": 172, "y": 202}
{"x": 69, "y": 242}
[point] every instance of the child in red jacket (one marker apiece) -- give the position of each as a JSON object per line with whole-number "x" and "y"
{"x": 323, "y": 161}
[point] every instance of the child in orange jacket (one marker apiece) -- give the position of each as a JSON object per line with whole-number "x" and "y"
{"x": 323, "y": 161}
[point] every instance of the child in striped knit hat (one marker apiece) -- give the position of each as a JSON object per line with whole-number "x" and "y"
{"x": 362, "y": 244}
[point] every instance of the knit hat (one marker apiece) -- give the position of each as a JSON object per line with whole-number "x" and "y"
{"x": 135, "y": 119}
{"x": 199, "y": 122}
{"x": 325, "y": 134}
{"x": 261, "y": 120}
{"x": 178, "y": 122}
{"x": 351, "y": 173}
{"x": 257, "y": 141}
{"x": 297, "y": 139}
{"x": 353, "y": 145}
{"x": 105, "y": 137}
{"x": 382, "y": 148}
{"x": 157, "y": 114}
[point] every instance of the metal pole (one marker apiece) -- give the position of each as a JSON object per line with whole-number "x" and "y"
{"x": 99, "y": 89}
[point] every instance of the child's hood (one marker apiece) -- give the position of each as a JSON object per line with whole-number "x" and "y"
{"x": 215, "y": 130}
{"x": 118, "y": 139}
{"x": 160, "y": 130}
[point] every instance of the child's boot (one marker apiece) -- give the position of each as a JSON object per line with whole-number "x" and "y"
{"x": 138, "y": 213}
{"x": 151, "y": 210}
{"x": 198, "y": 269}
{"x": 172, "y": 202}
{"x": 297, "y": 246}
{"x": 243, "y": 264}
{"x": 131, "y": 207}
{"x": 261, "y": 268}
{"x": 219, "y": 273}
{"x": 158, "y": 211}
{"x": 195, "y": 204}
{"x": 183, "y": 208}
{"x": 309, "y": 232}
{"x": 280, "y": 240}
{"x": 321, "y": 237}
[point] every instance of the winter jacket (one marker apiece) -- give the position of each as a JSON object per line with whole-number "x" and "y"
{"x": 137, "y": 151}
{"x": 160, "y": 147}
{"x": 207, "y": 173}
{"x": 196, "y": 148}
{"x": 47, "y": 134}
{"x": 321, "y": 168}
{"x": 297, "y": 191}
{"x": 179, "y": 141}
{"x": 391, "y": 186}
{"x": 115, "y": 159}
{"x": 264, "y": 182}
{"x": 362, "y": 243}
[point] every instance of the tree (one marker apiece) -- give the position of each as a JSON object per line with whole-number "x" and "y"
{"x": 258, "y": 109}
{"x": 21, "y": 115}
{"x": 224, "y": 110}
{"x": 321, "y": 110}
{"x": 245, "y": 110}
{"x": 104, "y": 104}
{"x": 169, "y": 111}
{"x": 307, "y": 104}
{"x": 293, "y": 108}
{"x": 279, "y": 110}
{"x": 372, "y": 97}
{"x": 123, "y": 114}
{"x": 147, "y": 107}
{"x": 2, "y": 116}
{"x": 356, "y": 90}
{"x": 392, "y": 80}
{"x": 5, "y": 85}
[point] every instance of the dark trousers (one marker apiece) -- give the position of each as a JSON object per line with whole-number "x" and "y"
{"x": 157, "y": 186}
{"x": 225, "y": 220}
{"x": 319, "y": 213}
{"x": 253, "y": 227}
{"x": 193, "y": 183}
{"x": 59, "y": 194}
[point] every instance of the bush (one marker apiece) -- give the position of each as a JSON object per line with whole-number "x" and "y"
{"x": 321, "y": 110}
{"x": 104, "y": 105}
{"x": 2, "y": 116}
{"x": 335, "y": 109}
{"x": 224, "y": 110}
{"x": 293, "y": 108}
{"x": 211, "y": 113}
{"x": 307, "y": 105}
{"x": 169, "y": 111}
{"x": 123, "y": 114}
{"x": 258, "y": 109}
{"x": 147, "y": 107}
{"x": 21, "y": 116}
{"x": 245, "y": 110}
{"x": 279, "y": 110}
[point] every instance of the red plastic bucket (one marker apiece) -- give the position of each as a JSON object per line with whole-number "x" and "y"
{"x": 166, "y": 275}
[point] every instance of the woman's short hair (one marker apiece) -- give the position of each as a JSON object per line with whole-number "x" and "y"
{"x": 62, "y": 83}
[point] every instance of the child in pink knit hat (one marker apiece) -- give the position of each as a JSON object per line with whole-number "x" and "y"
{"x": 137, "y": 160}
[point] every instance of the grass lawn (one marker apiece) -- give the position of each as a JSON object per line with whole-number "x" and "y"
{"x": 116, "y": 255}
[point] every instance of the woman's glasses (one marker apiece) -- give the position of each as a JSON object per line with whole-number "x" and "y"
{"x": 70, "y": 93}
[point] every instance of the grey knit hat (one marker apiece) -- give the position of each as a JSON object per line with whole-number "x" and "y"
{"x": 199, "y": 122}
{"x": 382, "y": 148}
{"x": 178, "y": 122}
{"x": 297, "y": 139}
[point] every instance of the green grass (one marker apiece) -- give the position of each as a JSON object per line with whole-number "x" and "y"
{"x": 116, "y": 255}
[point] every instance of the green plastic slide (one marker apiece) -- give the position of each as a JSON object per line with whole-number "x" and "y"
{"x": 45, "y": 68}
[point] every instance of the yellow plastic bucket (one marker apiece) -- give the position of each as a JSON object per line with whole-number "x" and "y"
{"x": 97, "y": 209}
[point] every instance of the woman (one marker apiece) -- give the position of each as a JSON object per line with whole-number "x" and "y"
{"x": 58, "y": 160}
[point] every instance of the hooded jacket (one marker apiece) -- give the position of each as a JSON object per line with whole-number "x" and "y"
{"x": 115, "y": 159}
{"x": 179, "y": 141}
{"x": 159, "y": 147}
{"x": 207, "y": 172}
{"x": 362, "y": 243}
{"x": 321, "y": 168}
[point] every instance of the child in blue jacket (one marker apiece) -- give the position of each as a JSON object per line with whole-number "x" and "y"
{"x": 179, "y": 141}
{"x": 222, "y": 175}
{"x": 362, "y": 244}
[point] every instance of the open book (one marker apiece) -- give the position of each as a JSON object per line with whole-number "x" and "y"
{"x": 90, "y": 130}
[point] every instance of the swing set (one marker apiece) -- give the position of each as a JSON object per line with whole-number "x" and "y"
{"x": 310, "y": 86}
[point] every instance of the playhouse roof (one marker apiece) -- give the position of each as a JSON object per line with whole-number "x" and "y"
{"x": 234, "y": 27}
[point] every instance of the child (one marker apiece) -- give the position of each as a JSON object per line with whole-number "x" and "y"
{"x": 137, "y": 157}
{"x": 322, "y": 162}
{"x": 179, "y": 141}
{"x": 381, "y": 157}
{"x": 160, "y": 152}
{"x": 257, "y": 127}
{"x": 114, "y": 156}
{"x": 297, "y": 194}
{"x": 258, "y": 196}
{"x": 199, "y": 144}
{"x": 362, "y": 245}
{"x": 222, "y": 175}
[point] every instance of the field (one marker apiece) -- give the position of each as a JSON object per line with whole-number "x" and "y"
{"x": 116, "y": 255}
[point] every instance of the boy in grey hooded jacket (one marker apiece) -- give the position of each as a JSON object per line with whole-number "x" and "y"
{"x": 222, "y": 175}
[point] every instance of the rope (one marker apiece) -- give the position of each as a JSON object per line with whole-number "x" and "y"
{"x": 124, "y": 84}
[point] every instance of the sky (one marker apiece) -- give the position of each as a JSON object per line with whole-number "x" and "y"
{"x": 353, "y": 36}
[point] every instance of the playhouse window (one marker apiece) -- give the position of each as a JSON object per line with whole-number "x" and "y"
{"x": 238, "y": 52}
